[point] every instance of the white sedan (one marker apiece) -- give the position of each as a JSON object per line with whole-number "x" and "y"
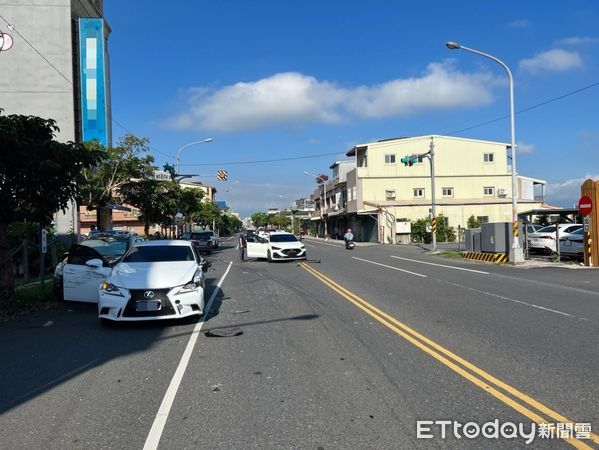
{"x": 276, "y": 246}
{"x": 544, "y": 239}
{"x": 155, "y": 280}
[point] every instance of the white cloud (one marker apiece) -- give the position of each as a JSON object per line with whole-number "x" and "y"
{"x": 288, "y": 98}
{"x": 555, "y": 60}
{"x": 440, "y": 87}
{"x": 293, "y": 99}
{"x": 519, "y": 23}
{"x": 525, "y": 149}
{"x": 566, "y": 192}
{"x": 578, "y": 40}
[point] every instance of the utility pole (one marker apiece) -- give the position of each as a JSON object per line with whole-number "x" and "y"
{"x": 433, "y": 209}
{"x": 409, "y": 160}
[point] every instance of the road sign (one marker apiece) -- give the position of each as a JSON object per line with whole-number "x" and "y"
{"x": 586, "y": 225}
{"x": 161, "y": 175}
{"x": 222, "y": 175}
{"x": 585, "y": 205}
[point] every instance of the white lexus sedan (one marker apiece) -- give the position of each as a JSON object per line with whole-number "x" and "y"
{"x": 155, "y": 280}
{"x": 276, "y": 246}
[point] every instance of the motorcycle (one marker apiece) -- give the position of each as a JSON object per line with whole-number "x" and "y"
{"x": 349, "y": 244}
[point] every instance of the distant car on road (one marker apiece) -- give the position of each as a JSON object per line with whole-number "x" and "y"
{"x": 544, "y": 239}
{"x": 213, "y": 238}
{"x": 276, "y": 246}
{"x": 201, "y": 239}
{"x": 79, "y": 275}
{"x": 250, "y": 235}
{"x": 155, "y": 280}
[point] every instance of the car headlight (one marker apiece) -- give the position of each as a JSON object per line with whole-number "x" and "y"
{"x": 110, "y": 289}
{"x": 198, "y": 280}
{"x": 276, "y": 248}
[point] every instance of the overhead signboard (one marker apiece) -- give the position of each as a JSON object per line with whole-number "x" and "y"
{"x": 161, "y": 175}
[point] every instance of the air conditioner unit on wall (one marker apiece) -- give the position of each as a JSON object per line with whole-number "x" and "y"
{"x": 501, "y": 192}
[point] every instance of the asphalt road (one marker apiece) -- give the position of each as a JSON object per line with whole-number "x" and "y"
{"x": 347, "y": 352}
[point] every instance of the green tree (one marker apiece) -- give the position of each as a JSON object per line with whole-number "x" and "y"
{"x": 260, "y": 219}
{"x": 156, "y": 200}
{"x": 38, "y": 176}
{"x": 473, "y": 222}
{"x": 120, "y": 164}
{"x": 190, "y": 205}
{"x": 209, "y": 215}
{"x": 280, "y": 221}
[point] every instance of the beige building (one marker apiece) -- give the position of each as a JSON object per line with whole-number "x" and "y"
{"x": 472, "y": 178}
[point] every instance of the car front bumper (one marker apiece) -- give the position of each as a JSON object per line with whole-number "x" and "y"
{"x": 288, "y": 254}
{"x": 167, "y": 304}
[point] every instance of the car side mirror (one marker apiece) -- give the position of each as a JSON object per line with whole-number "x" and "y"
{"x": 94, "y": 263}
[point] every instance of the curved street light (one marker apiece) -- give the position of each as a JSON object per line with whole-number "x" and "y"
{"x": 516, "y": 254}
{"x": 324, "y": 197}
{"x": 205, "y": 141}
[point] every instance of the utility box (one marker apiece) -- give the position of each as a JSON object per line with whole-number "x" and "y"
{"x": 477, "y": 242}
{"x": 496, "y": 237}
{"x": 469, "y": 236}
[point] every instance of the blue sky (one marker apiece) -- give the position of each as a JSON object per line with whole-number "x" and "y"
{"x": 276, "y": 79}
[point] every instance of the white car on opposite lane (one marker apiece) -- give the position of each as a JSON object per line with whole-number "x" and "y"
{"x": 155, "y": 280}
{"x": 276, "y": 246}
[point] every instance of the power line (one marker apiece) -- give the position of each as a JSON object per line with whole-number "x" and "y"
{"x": 320, "y": 155}
{"x": 538, "y": 105}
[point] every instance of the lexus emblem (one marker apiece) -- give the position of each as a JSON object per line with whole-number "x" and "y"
{"x": 149, "y": 294}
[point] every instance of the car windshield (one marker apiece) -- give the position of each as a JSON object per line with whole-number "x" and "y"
{"x": 283, "y": 238}
{"x": 200, "y": 236}
{"x": 107, "y": 246}
{"x": 159, "y": 253}
{"x": 549, "y": 229}
{"x": 579, "y": 231}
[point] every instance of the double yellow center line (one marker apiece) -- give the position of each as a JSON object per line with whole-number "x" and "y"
{"x": 517, "y": 400}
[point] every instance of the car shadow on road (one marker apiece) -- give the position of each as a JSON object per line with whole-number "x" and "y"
{"x": 44, "y": 350}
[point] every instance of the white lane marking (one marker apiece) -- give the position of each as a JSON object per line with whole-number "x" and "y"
{"x": 155, "y": 434}
{"x": 441, "y": 265}
{"x": 390, "y": 267}
{"x": 513, "y": 300}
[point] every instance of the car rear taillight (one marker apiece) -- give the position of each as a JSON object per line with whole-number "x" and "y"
{"x": 546, "y": 237}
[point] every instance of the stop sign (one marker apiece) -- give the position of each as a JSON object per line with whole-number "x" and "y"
{"x": 585, "y": 205}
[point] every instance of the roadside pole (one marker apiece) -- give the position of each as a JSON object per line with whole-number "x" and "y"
{"x": 433, "y": 209}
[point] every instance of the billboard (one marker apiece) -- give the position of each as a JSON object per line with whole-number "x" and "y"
{"x": 92, "y": 71}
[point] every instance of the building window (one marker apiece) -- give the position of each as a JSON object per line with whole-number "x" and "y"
{"x": 418, "y": 192}
{"x": 353, "y": 189}
{"x": 390, "y": 194}
{"x": 389, "y": 159}
{"x": 488, "y": 191}
{"x": 488, "y": 157}
{"x": 447, "y": 192}
{"x": 482, "y": 219}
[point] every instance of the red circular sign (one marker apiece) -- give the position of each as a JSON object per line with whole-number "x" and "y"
{"x": 585, "y": 205}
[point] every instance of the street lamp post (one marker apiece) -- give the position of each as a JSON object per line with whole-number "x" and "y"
{"x": 516, "y": 254}
{"x": 324, "y": 198}
{"x": 205, "y": 141}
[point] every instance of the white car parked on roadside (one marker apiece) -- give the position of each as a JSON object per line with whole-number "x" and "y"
{"x": 276, "y": 246}
{"x": 155, "y": 280}
{"x": 544, "y": 239}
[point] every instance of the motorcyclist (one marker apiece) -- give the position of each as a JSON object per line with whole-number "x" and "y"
{"x": 348, "y": 237}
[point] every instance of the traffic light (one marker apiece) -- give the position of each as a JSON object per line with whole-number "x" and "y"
{"x": 409, "y": 160}
{"x": 222, "y": 175}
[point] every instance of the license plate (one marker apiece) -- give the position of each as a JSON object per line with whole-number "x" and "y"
{"x": 148, "y": 305}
